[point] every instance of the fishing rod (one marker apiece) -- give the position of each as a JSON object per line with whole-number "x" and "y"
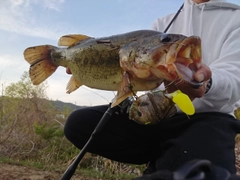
{"x": 71, "y": 169}
{"x": 173, "y": 19}
{"x": 106, "y": 116}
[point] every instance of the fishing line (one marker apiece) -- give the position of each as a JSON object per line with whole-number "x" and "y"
{"x": 97, "y": 94}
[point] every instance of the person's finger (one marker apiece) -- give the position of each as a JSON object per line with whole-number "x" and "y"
{"x": 68, "y": 71}
{"x": 203, "y": 73}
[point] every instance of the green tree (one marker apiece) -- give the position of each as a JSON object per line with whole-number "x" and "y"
{"x": 23, "y": 105}
{"x": 31, "y": 131}
{"x": 25, "y": 89}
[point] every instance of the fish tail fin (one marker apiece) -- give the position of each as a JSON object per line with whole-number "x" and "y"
{"x": 41, "y": 64}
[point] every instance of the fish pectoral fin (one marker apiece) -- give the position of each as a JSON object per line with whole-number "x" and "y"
{"x": 71, "y": 39}
{"x": 120, "y": 97}
{"x": 41, "y": 65}
{"x": 124, "y": 91}
{"x": 72, "y": 85}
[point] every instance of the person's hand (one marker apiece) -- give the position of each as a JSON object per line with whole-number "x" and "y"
{"x": 68, "y": 71}
{"x": 203, "y": 74}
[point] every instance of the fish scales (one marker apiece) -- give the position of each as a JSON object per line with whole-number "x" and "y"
{"x": 101, "y": 52}
{"x": 134, "y": 61}
{"x": 86, "y": 63}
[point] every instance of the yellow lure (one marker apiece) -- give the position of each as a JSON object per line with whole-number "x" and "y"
{"x": 183, "y": 102}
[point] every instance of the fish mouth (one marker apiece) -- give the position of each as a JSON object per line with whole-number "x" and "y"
{"x": 175, "y": 61}
{"x": 182, "y": 60}
{"x": 188, "y": 59}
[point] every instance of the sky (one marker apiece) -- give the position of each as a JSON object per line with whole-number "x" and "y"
{"x": 25, "y": 23}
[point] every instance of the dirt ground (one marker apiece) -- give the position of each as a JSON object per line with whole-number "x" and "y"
{"x": 15, "y": 172}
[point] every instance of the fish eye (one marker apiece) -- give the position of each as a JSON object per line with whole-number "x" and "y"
{"x": 165, "y": 38}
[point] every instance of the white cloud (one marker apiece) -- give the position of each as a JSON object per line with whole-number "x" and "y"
{"x": 16, "y": 3}
{"x": 17, "y": 16}
{"x": 53, "y": 4}
{"x": 11, "y": 69}
{"x": 6, "y": 60}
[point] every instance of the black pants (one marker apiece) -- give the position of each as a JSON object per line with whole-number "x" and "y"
{"x": 170, "y": 143}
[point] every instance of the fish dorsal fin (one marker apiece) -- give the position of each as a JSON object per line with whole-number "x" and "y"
{"x": 71, "y": 39}
{"x": 72, "y": 85}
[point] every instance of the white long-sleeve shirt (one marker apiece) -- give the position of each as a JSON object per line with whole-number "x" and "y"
{"x": 217, "y": 23}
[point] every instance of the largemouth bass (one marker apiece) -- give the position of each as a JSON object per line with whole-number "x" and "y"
{"x": 126, "y": 63}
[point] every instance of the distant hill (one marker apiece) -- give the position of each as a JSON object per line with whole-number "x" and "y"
{"x": 60, "y": 105}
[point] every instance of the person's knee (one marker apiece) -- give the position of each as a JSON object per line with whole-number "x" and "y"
{"x": 67, "y": 132}
{"x": 74, "y": 135}
{"x": 79, "y": 126}
{"x": 72, "y": 125}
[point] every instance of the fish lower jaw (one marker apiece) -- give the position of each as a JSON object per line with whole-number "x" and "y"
{"x": 186, "y": 72}
{"x": 186, "y": 75}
